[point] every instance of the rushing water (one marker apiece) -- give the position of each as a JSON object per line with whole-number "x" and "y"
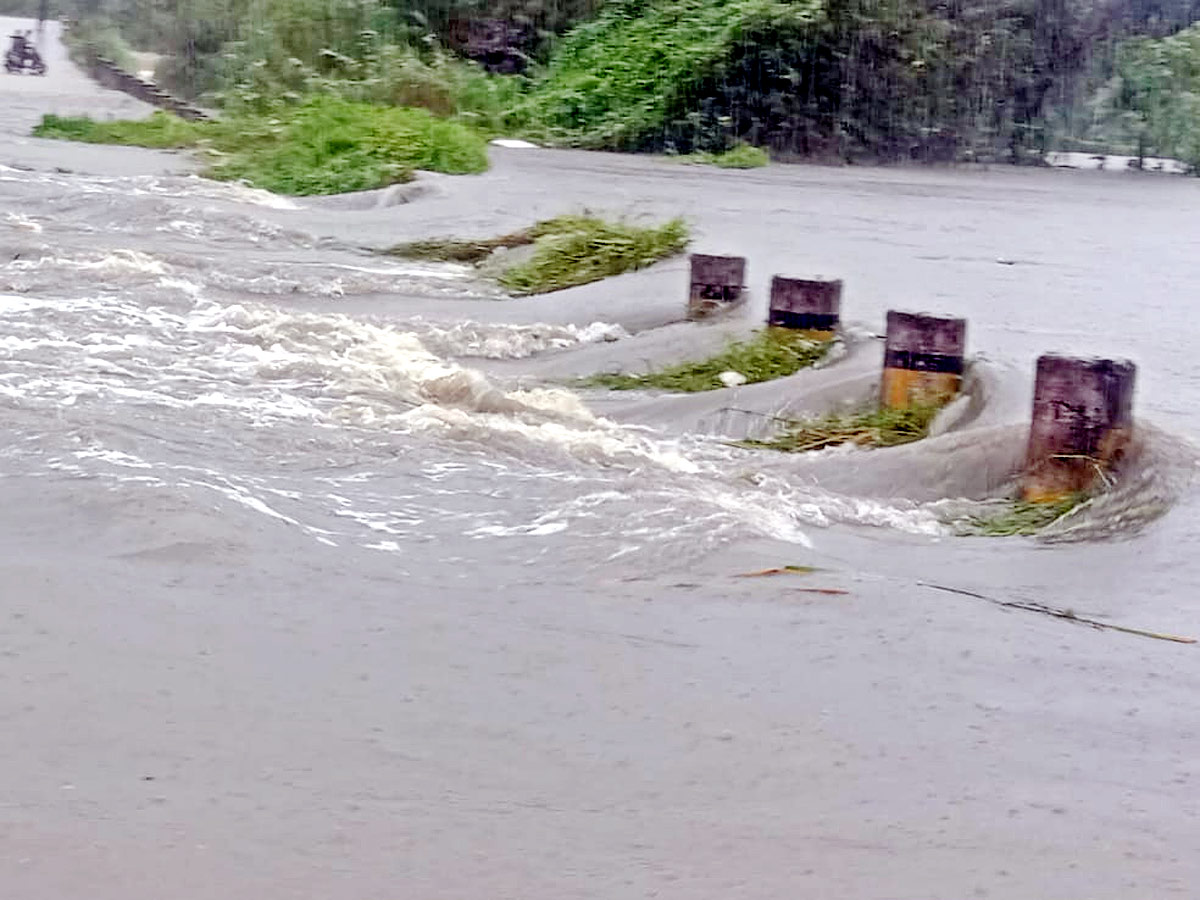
{"x": 217, "y": 377}
{"x": 144, "y": 313}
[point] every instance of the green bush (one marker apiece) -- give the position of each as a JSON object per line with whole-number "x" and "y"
{"x": 329, "y": 146}
{"x": 259, "y": 75}
{"x": 161, "y": 131}
{"x": 617, "y": 82}
{"x": 322, "y": 146}
{"x": 743, "y": 156}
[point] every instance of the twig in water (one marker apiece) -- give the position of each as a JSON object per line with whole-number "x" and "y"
{"x": 778, "y": 570}
{"x": 1057, "y": 613}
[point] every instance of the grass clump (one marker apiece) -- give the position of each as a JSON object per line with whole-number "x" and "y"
{"x": 324, "y": 145}
{"x": 574, "y": 250}
{"x": 330, "y": 146}
{"x": 567, "y": 251}
{"x": 452, "y": 250}
{"x": 162, "y": 131}
{"x": 771, "y": 353}
{"x": 868, "y": 428}
{"x": 743, "y": 156}
{"x": 1021, "y": 517}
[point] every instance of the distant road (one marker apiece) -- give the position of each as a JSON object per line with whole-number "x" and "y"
{"x": 66, "y": 90}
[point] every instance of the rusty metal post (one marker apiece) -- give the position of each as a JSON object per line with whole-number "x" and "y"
{"x": 1082, "y": 423}
{"x": 805, "y": 305}
{"x": 717, "y": 282}
{"x": 923, "y": 359}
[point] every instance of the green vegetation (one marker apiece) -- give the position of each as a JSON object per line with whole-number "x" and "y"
{"x": 630, "y": 79}
{"x": 567, "y": 251}
{"x": 452, "y": 250}
{"x": 1020, "y": 517}
{"x": 321, "y": 146}
{"x": 846, "y": 79}
{"x": 771, "y": 353}
{"x": 1154, "y": 99}
{"x": 574, "y": 250}
{"x": 868, "y": 428}
{"x": 327, "y": 146}
{"x": 161, "y": 130}
{"x": 893, "y": 79}
{"x": 259, "y": 74}
{"x": 743, "y": 156}
{"x": 103, "y": 39}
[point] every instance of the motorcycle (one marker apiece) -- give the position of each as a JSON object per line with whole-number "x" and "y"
{"x": 17, "y": 63}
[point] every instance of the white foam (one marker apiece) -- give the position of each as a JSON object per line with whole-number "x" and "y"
{"x": 23, "y": 222}
{"x": 501, "y": 341}
{"x": 536, "y": 530}
{"x": 412, "y": 270}
{"x": 108, "y": 262}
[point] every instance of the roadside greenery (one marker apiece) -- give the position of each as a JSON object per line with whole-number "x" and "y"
{"x": 1154, "y": 99}
{"x": 844, "y": 79}
{"x": 878, "y": 427}
{"x": 101, "y": 37}
{"x": 743, "y": 156}
{"x": 321, "y": 146}
{"x": 883, "y": 79}
{"x": 772, "y": 353}
{"x": 258, "y": 73}
{"x": 162, "y": 131}
{"x": 631, "y": 78}
{"x": 567, "y": 251}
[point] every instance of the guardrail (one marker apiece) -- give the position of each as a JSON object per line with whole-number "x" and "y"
{"x": 108, "y": 74}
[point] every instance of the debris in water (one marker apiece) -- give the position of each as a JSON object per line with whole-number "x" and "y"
{"x": 870, "y": 428}
{"x": 779, "y": 570}
{"x": 732, "y": 379}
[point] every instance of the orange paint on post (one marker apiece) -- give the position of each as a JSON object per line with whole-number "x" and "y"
{"x": 923, "y": 360}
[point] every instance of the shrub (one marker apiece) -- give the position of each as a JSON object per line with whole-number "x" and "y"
{"x": 322, "y": 146}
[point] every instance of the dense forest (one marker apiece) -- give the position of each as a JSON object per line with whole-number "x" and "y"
{"x": 849, "y": 79}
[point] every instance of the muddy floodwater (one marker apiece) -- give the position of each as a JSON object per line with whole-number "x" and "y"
{"x": 319, "y": 578}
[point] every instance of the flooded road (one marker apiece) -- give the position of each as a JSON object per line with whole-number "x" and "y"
{"x": 319, "y": 580}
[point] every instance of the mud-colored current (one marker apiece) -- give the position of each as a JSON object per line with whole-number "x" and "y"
{"x": 319, "y": 578}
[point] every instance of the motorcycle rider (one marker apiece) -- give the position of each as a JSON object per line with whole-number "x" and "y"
{"x": 32, "y": 57}
{"x": 22, "y": 49}
{"x": 19, "y": 45}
